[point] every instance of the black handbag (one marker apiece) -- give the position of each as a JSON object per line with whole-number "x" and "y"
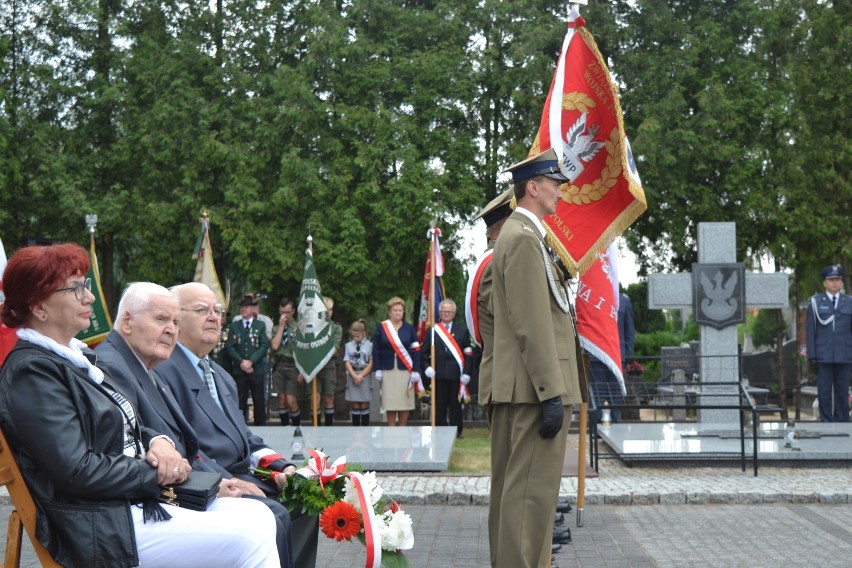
{"x": 195, "y": 493}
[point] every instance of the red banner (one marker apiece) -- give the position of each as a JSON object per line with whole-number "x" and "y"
{"x": 582, "y": 121}
{"x": 597, "y": 313}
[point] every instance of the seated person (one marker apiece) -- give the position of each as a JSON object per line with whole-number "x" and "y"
{"x": 145, "y": 335}
{"x": 207, "y": 396}
{"x": 93, "y": 469}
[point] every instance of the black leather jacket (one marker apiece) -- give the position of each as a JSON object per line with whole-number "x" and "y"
{"x": 66, "y": 434}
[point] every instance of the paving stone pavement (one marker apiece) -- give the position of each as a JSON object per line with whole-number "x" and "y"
{"x": 634, "y": 517}
{"x": 767, "y": 535}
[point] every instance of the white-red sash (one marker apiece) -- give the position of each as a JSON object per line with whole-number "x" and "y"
{"x": 471, "y": 302}
{"x": 398, "y": 347}
{"x": 464, "y": 393}
{"x": 451, "y": 343}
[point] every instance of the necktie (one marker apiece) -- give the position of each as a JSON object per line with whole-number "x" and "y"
{"x": 208, "y": 380}
{"x": 834, "y": 301}
{"x": 248, "y": 325}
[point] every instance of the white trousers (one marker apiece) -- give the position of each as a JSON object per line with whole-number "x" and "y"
{"x": 232, "y": 533}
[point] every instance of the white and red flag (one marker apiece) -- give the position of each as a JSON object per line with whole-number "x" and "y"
{"x": 433, "y": 284}
{"x": 582, "y": 122}
{"x": 597, "y": 313}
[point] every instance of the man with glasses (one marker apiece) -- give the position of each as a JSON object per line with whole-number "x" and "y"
{"x": 207, "y": 396}
{"x": 451, "y": 367}
{"x": 145, "y": 335}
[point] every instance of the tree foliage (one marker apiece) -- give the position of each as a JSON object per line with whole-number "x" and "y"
{"x": 361, "y": 121}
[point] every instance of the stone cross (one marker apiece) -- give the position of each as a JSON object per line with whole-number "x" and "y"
{"x": 717, "y": 243}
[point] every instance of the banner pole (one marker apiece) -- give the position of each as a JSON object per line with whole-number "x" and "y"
{"x": 431, "y": 322}
{"x": 581, "y": 462}
{"x": 314, "y": 401}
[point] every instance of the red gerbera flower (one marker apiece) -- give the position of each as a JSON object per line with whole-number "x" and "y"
{"x": 340, "y": 521}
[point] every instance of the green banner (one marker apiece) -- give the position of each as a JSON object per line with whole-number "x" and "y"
{"x": 314, "y": 345}
{"x": 100, "y": 322}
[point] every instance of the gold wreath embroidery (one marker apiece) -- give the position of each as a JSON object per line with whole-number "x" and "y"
{"x": 596, "y": 190}
{"x": 578, "y": 101}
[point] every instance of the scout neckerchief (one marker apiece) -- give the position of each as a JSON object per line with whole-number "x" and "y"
{"x": 456, "y": 350}
{"x": 397, "y": 345}
{"x": 471, "y": 304}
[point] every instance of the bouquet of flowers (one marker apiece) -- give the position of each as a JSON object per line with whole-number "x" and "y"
{"x": 350, "y": 504}
{"x": 635, "y": 368}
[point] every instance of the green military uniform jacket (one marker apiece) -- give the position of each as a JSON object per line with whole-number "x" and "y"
{"x": 248, "y": 344}
{"x": 535, "y": 354}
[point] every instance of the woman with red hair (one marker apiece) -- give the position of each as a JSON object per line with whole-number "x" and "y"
{"x": 93, "y": 469}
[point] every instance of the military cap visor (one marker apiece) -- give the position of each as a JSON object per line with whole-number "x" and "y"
{"x": 497, "y": 209}
{"x": 833, "y": 271}
{"x": 545, "y": 164}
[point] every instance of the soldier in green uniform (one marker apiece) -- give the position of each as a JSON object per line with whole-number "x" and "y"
{"x": 534, "y": 375}
{"x": 248, "y": 349}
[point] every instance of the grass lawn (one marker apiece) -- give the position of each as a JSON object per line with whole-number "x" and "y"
{"x": 472, "y": 454}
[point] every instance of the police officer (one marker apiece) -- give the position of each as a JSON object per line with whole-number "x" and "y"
{"x": 829, "y": 344}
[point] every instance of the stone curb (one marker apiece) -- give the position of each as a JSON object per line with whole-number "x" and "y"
{"x": 639, "y": 499}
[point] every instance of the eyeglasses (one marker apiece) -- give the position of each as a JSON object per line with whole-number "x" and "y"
{"x": 204, "y": 311}
{"x": 79, "y": 289}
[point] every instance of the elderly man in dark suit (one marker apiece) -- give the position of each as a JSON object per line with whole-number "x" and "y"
{"x": 451, "y": 365}
{"x": 208, "y": 398}
{"x": 534, "y": 374}
{"x": 145, "y": 335}
{"x": 829, "y": 343}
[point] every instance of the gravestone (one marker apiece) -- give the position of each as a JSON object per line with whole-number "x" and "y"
{"x": 759, "y": 369}
{"x": 674, "y": 358}
{"x": 719, "y": 352}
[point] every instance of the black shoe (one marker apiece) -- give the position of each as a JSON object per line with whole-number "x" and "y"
{"x": 460, "y": 436}
{"x": 555, "y": 547}
{"x": 559, "y": 518}
{"x": 563, "y": 507}
{"x": 562, "y": 537}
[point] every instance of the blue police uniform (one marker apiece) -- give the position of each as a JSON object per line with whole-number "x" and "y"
{"x": 829, "y": 345}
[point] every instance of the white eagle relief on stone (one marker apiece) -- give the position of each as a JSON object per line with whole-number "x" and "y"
{"x": 719, "y": 303}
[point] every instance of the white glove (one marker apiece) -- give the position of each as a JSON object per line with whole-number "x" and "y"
{"x": 378, "y": 375}
{"x": 465, "y": 379}
{"x": 415, "y": 377}
{"x": 430, "y": 372}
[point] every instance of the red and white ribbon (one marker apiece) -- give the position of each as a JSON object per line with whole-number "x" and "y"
{"x": 464, "y": 393}
{"x": 372, "y": 530}
{"x": 451, "y": 343}
{"x": 471, "y": 302}
{"x": 416, "y": 387}
{"x": 318, "y": 468}
{"x": 398, "y": 347}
